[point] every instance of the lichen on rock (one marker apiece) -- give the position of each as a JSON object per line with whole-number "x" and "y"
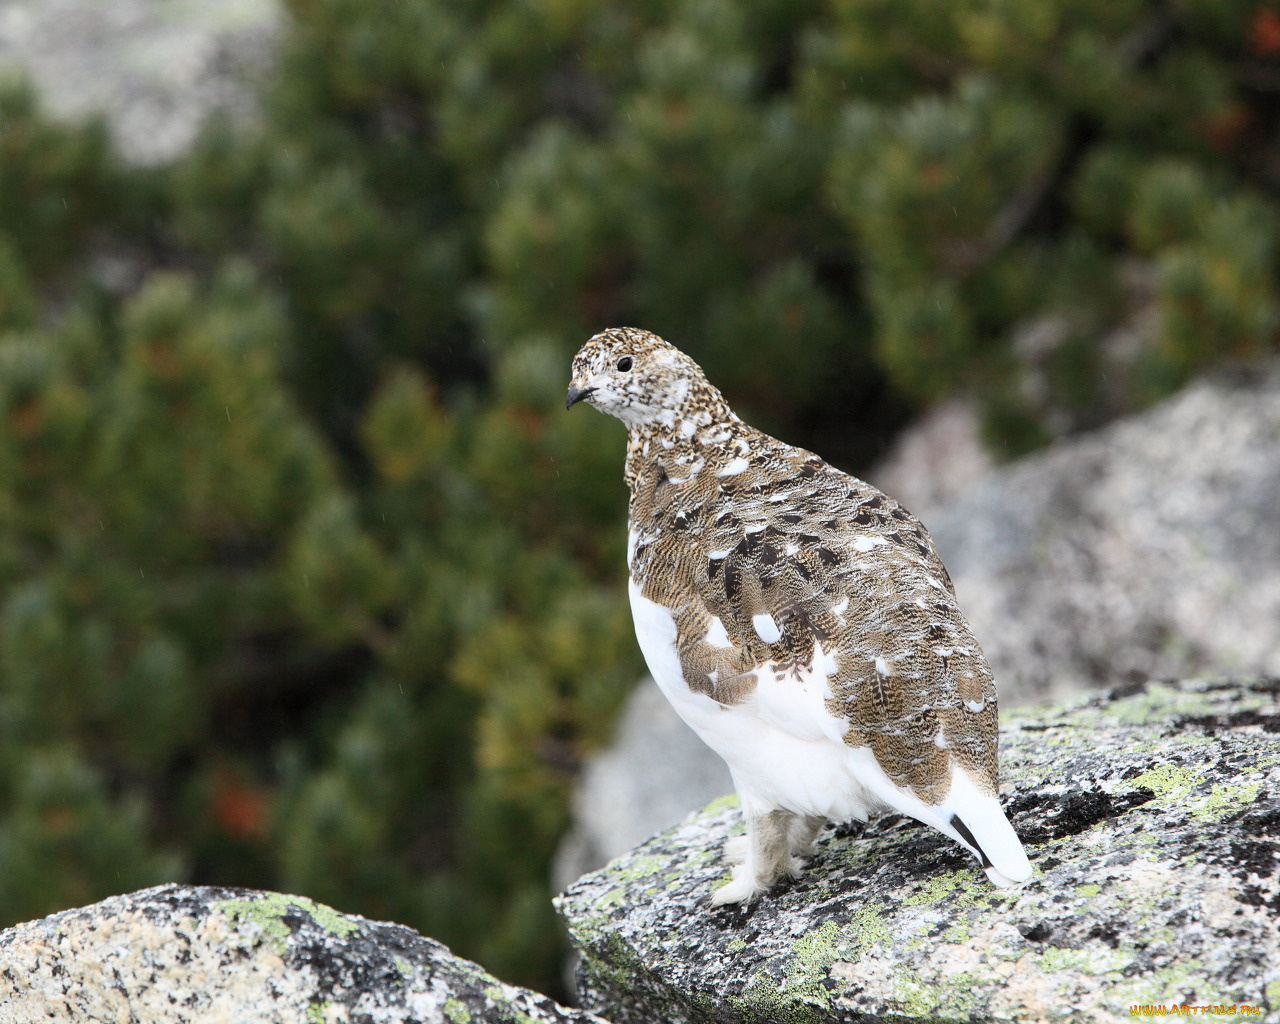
{"x": 178, "y": 954}
{"x": 1152, "y": 816}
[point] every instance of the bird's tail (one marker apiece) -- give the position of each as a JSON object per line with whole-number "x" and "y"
{"x": 976, "y": 820}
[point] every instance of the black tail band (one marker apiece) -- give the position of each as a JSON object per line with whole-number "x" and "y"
{"x": 963, "y": 829}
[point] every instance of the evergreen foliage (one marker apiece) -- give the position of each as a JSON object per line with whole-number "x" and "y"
{"x": 308, "y": 581}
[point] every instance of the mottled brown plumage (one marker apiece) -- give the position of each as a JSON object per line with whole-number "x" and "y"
{"x": 805, "y": 604}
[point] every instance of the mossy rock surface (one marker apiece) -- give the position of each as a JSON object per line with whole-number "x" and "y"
{"x": 176, "y": 954}
{"x": 1151, "y": 815}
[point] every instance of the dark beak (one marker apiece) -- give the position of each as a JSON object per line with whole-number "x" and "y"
{"x": 576, "y": 395}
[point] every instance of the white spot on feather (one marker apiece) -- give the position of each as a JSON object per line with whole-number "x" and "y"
{"x": 882, "y": 667}
{"x": 975, "y": 705}
{"x": 867, "y": 543}
{"x": 824, "y": 665}
{"x": 716, "y": 635}
{"x": 766, "y": 628}
{"x": 736, "y": 466}
{"x": 838, "y": 609}
{"x": 693, "y": 471}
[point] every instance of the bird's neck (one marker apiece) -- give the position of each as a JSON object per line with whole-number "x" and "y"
{"x": 682, "y": 441}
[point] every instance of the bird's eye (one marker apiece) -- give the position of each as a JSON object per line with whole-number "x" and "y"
{"x": 624, "y": 364}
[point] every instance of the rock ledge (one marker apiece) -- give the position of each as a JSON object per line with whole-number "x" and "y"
{"x": 1152, "y": 816}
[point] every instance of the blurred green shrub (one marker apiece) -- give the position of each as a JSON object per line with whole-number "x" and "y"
{"x": 308, "y": 581}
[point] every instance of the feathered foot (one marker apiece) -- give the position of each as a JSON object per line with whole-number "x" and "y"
{"x": 775, "y": 846}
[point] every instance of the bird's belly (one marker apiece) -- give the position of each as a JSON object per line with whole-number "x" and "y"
{"x": 773, "y": 769}
{"x": 783, "y": 748}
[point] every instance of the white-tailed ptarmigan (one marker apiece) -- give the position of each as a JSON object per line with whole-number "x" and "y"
{"x": 799, "y": 620}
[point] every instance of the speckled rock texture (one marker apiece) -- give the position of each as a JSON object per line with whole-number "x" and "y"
{"x": 1151, "y": 815}
{"x": 177, "y": 954}
{"x": 1150, "y": 548}
{"x": 156, "y": 69}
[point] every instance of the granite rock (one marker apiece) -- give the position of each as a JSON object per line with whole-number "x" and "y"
{"x": 936, "y": 460}
{"x": 1151, "y": 815}
{"x": 1150, "y": 548}
{"x": 156, "y": 69}
{"x": 176, "y": 954}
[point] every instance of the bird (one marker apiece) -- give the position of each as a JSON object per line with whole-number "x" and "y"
{"x": 800, "y": 621}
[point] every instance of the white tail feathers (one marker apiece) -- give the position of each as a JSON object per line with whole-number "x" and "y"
{"x": 976, "y": 820}
{"x": 970, "y": 815}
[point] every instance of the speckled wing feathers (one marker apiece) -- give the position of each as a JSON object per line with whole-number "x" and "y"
{"x": 793, "y": 557}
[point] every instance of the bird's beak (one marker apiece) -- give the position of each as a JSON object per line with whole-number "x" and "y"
{"x": 576, "y": 395}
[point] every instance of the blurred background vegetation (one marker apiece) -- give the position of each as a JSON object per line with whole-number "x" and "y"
{"x": 308, "y": 580}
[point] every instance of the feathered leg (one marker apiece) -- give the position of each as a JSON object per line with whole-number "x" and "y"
{"x": 801, "y": 833}
{"x": 766, "y": 856}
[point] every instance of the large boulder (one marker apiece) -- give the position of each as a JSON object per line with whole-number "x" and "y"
{"x": 176, "y": 954}
{"x": 1152, "y": 817}
{"x": 1147, "y": 549}
{"x": 155, "y": 69}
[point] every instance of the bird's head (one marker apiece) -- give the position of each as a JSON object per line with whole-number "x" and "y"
{"x": 637, "y": 377}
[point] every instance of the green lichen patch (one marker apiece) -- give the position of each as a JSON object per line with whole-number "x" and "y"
{"x": 721, "y": 803}
{"x": 267, "y": 911}
{"x": 1095, "y": 961}
{"x": 967, "y": 887}
{"x": 1169, "y": 781}
{"x": 1227, "y": 798}
{"x": 802, "y": 993}
{"x": 630, "y": 869}
{"x": 956, "y": 998}
{"x": 456, "y": 1011}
